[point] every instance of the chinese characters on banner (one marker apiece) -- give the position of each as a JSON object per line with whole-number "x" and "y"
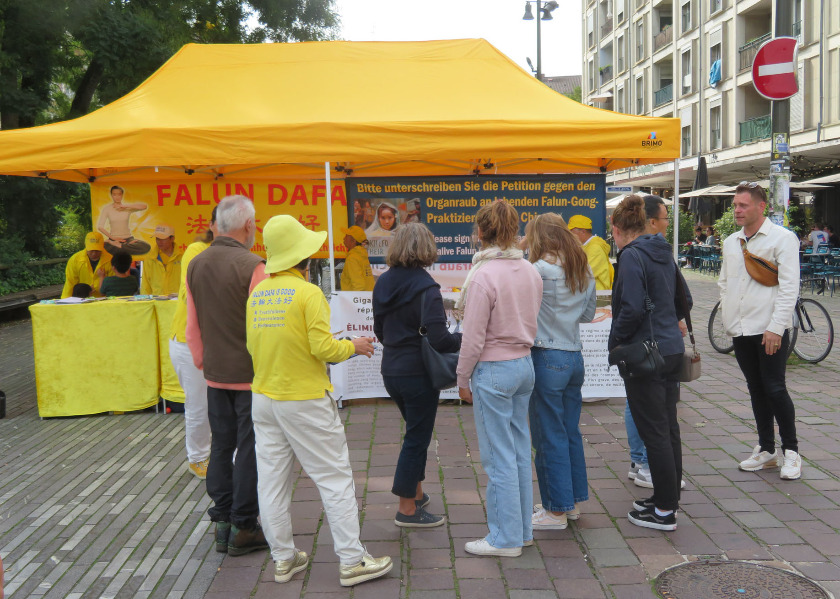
{"x": 447, "y": 205}
{"x": 187, "y": 206}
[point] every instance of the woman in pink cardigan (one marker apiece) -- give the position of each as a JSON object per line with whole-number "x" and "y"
{"x": 500, "y": 302}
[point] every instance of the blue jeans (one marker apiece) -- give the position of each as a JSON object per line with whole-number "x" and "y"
{"x": 501, "y": 391}
{"x": 555, "y": 428}
{"x": 638, "y": 453}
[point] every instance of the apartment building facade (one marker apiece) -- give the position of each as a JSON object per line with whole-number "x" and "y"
{"x": 662, "y": 58}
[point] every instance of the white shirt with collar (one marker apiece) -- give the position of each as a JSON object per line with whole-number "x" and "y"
{"x": 748, "y": 307}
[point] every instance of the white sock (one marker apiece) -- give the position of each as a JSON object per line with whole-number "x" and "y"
{"x": 663, "y": 513}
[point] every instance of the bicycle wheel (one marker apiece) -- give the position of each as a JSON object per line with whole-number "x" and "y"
{"x": 717, "y": 335}
{"x": 816, "y": 332}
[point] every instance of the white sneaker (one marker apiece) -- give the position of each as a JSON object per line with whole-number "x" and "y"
{"x": 792, "y": 467}
{"x": 644, "y": 479}
{"x": 545, "y": 520}
{"x": 482, "y": 547}
{"x": 573, "y": 514}
{"x": 760, "y": 460}
{"x": 634, "y": 468}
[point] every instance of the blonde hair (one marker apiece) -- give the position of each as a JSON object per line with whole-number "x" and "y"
{"x": 630, "y": 215}
{"x": 412, "y": 246}
{"x": 549, "y": 239}
{"x": 499, "y": 224}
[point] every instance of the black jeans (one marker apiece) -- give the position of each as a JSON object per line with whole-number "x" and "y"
{"x": 653, "y": 405}
{"x": 418, "y": 403}
{"x": 232, "y": 485}
{"x": 768, "y": 392}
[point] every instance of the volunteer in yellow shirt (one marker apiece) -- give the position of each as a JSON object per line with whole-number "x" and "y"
{"x": 288, "y": 336}
{"x": 83, "y": 265}
{"x": 196, "y": 421}
{"x": 357, "y": 275}
{"x": 597, "y": 251}
{"x": 162, "y": 270}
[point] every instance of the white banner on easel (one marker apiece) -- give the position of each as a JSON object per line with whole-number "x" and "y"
{"x": 352, "y": 314}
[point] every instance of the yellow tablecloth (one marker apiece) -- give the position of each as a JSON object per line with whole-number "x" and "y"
{"x": 105, "y": 356}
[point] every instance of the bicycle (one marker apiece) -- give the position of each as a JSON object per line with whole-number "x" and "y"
{"x": 811, "y": 337}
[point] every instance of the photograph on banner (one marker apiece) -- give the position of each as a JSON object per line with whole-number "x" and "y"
{"x": 134, "y": 213}
{"x": 448, "y": 205}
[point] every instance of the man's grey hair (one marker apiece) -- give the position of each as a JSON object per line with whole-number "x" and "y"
{"x": 233, "y": 213}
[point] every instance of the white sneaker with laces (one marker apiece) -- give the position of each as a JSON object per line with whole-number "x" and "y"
{"x": 792, "y": 467}
{"x": 482, "y": 547}
{"x": 644, "y": 479}
{"x": 634, "y": 468}
{"x": 545, "y": 520}
{"x": 573, "y": 514}
{"x": 760, "y": 460}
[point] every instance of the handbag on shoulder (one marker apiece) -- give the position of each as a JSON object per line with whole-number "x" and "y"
{"x": 440, "y": 367}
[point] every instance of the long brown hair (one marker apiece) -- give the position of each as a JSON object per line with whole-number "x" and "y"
{"x": 499, "y": 224}
{"x": 549, "y": 239}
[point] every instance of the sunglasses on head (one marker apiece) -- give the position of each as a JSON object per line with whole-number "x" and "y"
{"x": 749, "y": 184}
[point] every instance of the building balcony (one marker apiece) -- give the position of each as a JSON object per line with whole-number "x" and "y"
{"x": 747, "y": 52}
{"x": 755, "y": 129}
{"x": 607, "y": 27}
{"x": 663, "y": 95}
{"x": 606, "y": 74}
{"x": 663, "y": 38}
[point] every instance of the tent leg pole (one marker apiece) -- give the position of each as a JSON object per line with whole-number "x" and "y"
{"x": 330, "y": 227}
{"x": 676, "y": 209}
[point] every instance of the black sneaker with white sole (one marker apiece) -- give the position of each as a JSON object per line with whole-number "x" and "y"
{"x": 643, "y": 504}
{"x": 423, "y": 502}
{"x": 649, "y": 519}
{"x": 420, "y": 519}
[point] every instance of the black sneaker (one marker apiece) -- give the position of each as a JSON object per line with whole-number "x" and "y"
{"x": 423, "y": 502}
{"x": 643, "y": 504}
{"x": 420, "y": 519}
{"x": 222, "y": 536}
{"x": 243, "y": 540}
{"x": 649, "y": 519}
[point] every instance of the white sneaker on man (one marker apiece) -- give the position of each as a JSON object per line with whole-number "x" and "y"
{"x": 792, "y": 466}
{"x": 482, "y": 547}
{"x": 760, "y": 460}
{"x": 644, "y": 479}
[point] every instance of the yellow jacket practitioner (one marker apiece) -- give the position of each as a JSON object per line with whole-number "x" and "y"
{"x": 598, "y": 253}
{"x": 179, "y": 321}
{"x": 289, "y": 338}
{"x": 357, "y": 274}
{"x": 162, "y": 273}
{"x": 80, "y": 270}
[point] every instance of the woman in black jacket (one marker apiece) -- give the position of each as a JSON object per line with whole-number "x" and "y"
{"x": 397, "y": 319}
{"x": 646, "y": 261}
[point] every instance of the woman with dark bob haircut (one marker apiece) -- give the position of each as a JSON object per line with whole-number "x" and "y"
{"x": 500, "y": 302}
{"x": 397, "y": 318}
{"x": 646, "y": 266}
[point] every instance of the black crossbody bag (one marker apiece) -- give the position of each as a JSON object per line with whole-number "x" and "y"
{"x": 440, "y": 367}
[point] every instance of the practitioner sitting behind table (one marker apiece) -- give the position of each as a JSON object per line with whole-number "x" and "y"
{"x": 83, "y": 266}
{"x": 162, "y": 270}
{"x": 122, "y": 283}
{"x": 596, "y": 249}
{"x": 288, "y": 332}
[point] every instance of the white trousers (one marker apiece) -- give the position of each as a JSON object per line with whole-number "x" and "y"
{"x": 195, "y": 405}
{"x": 311, "y": 431}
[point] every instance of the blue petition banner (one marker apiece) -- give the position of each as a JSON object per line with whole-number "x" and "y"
{"x": 447, "y": 205}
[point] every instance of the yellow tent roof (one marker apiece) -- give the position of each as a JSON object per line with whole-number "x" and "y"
{"x": 375, "y": 108}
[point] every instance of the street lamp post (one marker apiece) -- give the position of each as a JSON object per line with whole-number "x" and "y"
{"x": 544, "y": 10}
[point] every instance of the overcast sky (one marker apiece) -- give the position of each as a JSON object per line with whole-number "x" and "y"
{"x": 498, "y": 21}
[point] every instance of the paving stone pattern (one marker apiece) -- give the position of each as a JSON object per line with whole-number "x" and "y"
{"x": 102, "y": 506}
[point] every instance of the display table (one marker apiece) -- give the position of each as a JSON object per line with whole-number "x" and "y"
{"x": 104, "y": 356}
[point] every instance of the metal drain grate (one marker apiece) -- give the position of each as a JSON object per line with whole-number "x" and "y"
{"x": 714, "y": 579}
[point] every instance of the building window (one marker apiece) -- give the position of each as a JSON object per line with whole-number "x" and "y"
{"x": 591, "y": 75}
{"x": 620, "y": 54}
{"x": 686, "y": 16}
{"x": 640, "y": 40}
{"x": 686, "y": 72}
{"x": 619, "y": 11}
{"x": 640, "y": 96}
{"x": 715, "y": 128}
{"x": 590, "y": 29}
{"x": 686, "y": 141}
{"x": 714, "y": 53}
{"x": 715, "y": 6}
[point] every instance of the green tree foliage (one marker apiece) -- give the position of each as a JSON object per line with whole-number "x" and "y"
{"x": 685, "y": 224}
{"x": 575, "y": 94}
{"x": 61, "y": 59}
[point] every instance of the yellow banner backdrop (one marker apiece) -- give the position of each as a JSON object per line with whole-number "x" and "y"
{"x": 186, "y": 207}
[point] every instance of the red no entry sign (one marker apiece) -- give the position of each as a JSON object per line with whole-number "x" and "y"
{"x": 774, "y": 68}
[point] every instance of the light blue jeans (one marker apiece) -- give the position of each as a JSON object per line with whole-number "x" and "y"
{"x": 638, "y": 453}
{"x": 555, "y": 428}
{"x": 501, "y": 392}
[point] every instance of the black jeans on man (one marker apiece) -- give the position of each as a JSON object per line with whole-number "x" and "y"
{"x": 768, "y": 392}
{"x": 653, "y": 405}
{"x": 232, "y": 486}
{"x": 418, "y": 403}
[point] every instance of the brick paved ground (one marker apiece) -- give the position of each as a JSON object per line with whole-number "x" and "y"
{"x": 103, "y": 507}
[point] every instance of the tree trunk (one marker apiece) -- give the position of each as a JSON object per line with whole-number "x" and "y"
{"x": 87, "y": 87}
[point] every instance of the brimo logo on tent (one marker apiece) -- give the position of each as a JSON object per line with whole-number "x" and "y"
{"x": 651, "y": 141}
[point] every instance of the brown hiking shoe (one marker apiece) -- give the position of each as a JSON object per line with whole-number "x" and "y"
{"x": 244, "y": 540}
{"x": 222, "y": 536}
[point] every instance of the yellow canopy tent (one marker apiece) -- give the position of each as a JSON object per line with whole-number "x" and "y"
{"x": 369, "y": 108}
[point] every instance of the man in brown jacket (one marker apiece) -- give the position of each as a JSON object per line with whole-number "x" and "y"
{"x": 219, "y": 281}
